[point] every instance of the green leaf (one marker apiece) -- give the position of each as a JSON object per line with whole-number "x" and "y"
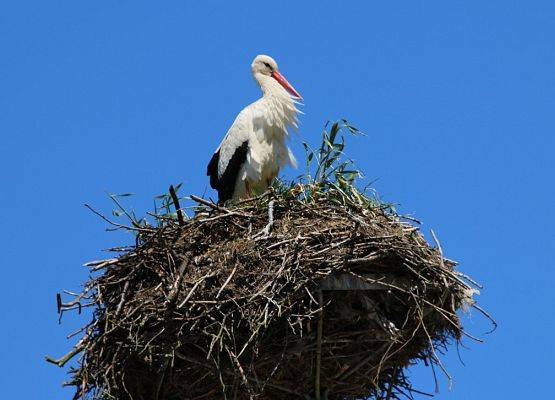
{"x": 333, "y": 131}
{"x": 121, "y": 194}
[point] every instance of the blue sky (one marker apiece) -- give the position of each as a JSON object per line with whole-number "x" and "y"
{"x": 457, "y": 100}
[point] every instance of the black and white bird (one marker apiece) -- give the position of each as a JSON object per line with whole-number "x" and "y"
{"x": 254, "y": 148}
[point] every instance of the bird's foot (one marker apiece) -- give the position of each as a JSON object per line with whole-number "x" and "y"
{"x": 265, "y": 232}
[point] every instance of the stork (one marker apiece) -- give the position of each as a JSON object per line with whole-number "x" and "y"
{"x": 254, "y": 149}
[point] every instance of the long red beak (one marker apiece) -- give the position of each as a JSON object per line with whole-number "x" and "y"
{"x": 287, "y": 86}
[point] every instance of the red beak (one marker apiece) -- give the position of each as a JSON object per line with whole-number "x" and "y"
{"x": 286, "y": 85}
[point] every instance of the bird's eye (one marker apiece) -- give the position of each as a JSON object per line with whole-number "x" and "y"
{"x": 268, "y": 65}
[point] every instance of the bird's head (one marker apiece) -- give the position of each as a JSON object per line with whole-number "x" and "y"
{"x": 266, "y": 65}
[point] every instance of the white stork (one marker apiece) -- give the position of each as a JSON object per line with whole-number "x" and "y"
{"x": 254, "y": 149}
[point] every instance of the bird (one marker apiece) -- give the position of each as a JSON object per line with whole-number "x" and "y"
{"x": 254, "y": 148}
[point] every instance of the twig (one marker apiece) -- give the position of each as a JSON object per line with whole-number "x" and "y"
{"x": 60, "y": 362}
{"x": 226, "y": 282}
{"x": 209, "y": 204}
{"x": 193, "y": 290}
{"x": 101, "y": 263}
{"x": 175, "y": 199}
{"x": 485, "y": 314}
{"x": 433, "y": 351}
{"x": 123, "y": 294}
{"x": 217, "y": 207}
{"x": 177, "y": 285}
{"x": 469, "y": 279}
{"x": 70, "y": 305}
{"x": 130, "y": 228}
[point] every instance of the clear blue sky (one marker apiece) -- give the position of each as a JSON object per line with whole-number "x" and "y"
{"x": 457, "y": 99}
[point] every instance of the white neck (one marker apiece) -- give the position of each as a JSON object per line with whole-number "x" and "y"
{"x": 269, "y": 86}
{"x": 281, "y": 110}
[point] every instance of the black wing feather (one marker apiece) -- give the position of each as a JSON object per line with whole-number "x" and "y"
{"x": 225, "y": 184}
{"x": 212, "y": 169}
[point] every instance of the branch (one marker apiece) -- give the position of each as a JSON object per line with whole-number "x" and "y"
{"x": 60, "y": 362}
{"x": 209, "y": 204}
{"x": 218, "y": 207}
{"x": 177, "y": 206}
{"x": 131, "y": 228}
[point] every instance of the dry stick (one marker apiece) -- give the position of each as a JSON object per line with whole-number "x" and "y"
{"x": 432, "y": 348}
{"x": 438, "y": 245}
{"x": 177, "y": 286}
{"x": 101, "y": 262}
{"x": 469, "y": 279}
{"x": 131, "y": 228}
{"x": 220, "y": 216}
{"x": 387, "y": 355}
{"x": 177, "y": 206}
{"x": 70, "y": 304}
{"x": 60, "y": 362}
{"x": 208, "y": 203}
{"x": 226, "y": 282}
{"x": 123, "y": 294}
{"x": 440, "y": 255}
{"x": 319, "y": 344}
{"x": 76, "y": 301}
{"x": 78, "y": 331}
{"x": 108, "y": 263}
{"x": 193, "y": 290}
{"x": 485, "y": 314}
{"x": 217, "y": 207}
{"x": 235, "y": 360}
{"x": 435, "y": 376}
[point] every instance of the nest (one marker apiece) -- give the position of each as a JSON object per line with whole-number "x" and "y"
{"x": 312, "y": 291}
{"x": 273, "y": 298}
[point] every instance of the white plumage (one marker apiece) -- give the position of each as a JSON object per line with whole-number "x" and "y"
{"x": 254, "y": 148}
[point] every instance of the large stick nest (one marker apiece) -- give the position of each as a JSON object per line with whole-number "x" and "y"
{"x": 287, "y": 295}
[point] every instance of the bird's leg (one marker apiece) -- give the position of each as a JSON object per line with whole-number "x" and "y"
{"x": 248, "y": 191}
{"x": 264, "y": 233}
